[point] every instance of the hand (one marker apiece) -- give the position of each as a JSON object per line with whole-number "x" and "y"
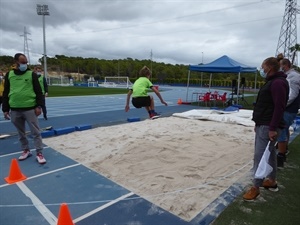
{"x": 127, "y": 108}
{"x": 6, "y": 115}
{"x": 46, "y": 94}
{"x": 37, "y": 111}
{"x": 272, "y": 135}
{"x": 163, "y": 102}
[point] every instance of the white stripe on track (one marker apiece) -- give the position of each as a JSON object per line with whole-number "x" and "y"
{"x": 15, "y": 153}
{"x": 45, "y": 212}
{"x": 42, "y": 174}
{"x": 53, "y": 171}
{"x": 102, "y": 207}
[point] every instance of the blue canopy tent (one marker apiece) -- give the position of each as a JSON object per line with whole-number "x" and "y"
{"x": 223, "y": 64}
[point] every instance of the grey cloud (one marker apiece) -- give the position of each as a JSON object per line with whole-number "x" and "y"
{"x": 177, "y": 31}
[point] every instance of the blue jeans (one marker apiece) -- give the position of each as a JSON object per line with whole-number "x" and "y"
{"x": 261, "y": 142}
{"x": 288, "y": 120}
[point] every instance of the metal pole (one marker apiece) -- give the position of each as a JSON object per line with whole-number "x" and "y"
{"x": 42, "y": 10}
{"x": 24, "y": 40}
{"x": 151, "y": 64}
{"x": 202, "y": 72}
{"x": 187, "y": 86}
{"x": 45, "y": 54}
{"x": 238, "y": 88}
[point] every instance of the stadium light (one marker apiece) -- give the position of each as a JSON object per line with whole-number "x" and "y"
{"x": 42, "y": 10}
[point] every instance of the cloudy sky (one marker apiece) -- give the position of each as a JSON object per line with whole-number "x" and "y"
{"x": 176, "y": 31}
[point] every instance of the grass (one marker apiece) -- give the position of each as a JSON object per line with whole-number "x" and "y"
{"x": 58, "y": 91}
{"x": 279, "y": 208}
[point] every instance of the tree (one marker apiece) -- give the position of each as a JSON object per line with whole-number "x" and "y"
{"x": 294, "y": 49}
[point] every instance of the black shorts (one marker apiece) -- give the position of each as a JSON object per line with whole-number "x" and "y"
{"x": 139, "y": 102}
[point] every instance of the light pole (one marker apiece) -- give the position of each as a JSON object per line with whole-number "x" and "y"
{"x": 202, "y": 72}
{"x": 42, "y": 10}
{"x": 151, "y": 55}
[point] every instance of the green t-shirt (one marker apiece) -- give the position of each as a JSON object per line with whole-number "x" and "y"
{"x": 140, "y": 87}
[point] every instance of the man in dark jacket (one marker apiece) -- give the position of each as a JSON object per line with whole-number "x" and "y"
{"x": 290, "y": 113}
{"x": 22, "y": 102}
{"x": 268, "y": 117}
{"x": 44, "y": 85}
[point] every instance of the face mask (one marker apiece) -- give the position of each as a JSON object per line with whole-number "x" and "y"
{"x": 262, "y": 73}
{"x": 39, "y": 73}
{"x": 282, "y": 69}
{"x": 22, "y": 67}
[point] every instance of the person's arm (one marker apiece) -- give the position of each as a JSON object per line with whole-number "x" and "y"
{"x": 5, "y": 103}
{"x": 128, "y": 100}
{"x": 158, "y": 95}
{"x": 279, "y": 91}
{"x": 294, "y": 84}
{"x": 37, "y": 90}
{"x": 45, "y": 86}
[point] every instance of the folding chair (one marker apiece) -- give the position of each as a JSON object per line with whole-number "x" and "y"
{"x": 223, "y": 98}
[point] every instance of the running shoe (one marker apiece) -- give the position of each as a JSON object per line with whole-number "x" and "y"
{"x": 40, "y": 158}
{"x": 25, "y": 154}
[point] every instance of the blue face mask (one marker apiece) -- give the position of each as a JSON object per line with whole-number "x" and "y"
{"x": 22, "y": 67}
{"x": 262, "y": 73}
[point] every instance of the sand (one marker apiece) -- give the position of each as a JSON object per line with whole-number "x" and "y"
{"x": 181, "y": 165}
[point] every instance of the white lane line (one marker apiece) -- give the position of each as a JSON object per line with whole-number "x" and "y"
{"x": 102, "y": 207}
{"x": 53, "y": 171}
{"x": 15, "y": 153}
{"x": 42, "y": 174}
{"x": 4, "y": 185}
{"x": 45, "y": 212}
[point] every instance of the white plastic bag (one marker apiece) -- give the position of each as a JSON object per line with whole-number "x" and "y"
{"x": 264, "y": 168}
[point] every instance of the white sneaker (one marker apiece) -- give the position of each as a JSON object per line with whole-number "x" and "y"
{"x": 26, "y": 154}
{"x": 40, "y": 158}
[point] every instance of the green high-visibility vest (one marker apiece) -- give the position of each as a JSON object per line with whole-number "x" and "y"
{"x": 41, "y": 80}
{"x": 21, "y": 92}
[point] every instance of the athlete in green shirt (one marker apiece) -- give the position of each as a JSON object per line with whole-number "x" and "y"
{"x": 140, "y": 98}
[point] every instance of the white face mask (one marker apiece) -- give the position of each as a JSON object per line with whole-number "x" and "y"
{"x": 22, "y": 67}
{"x": 262, "y": 73}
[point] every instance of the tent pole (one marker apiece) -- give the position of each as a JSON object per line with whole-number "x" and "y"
{"x": 187, "y": 86}
{"x": 201, "y": 79}
{"x": 210, "y": 81}
{"x": 255, "y": 86}
{"x": 238, "y": 88}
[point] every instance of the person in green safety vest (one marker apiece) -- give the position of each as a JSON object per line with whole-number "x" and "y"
{"x": 44, "y": 85}
{"x": 1, "y": 86}
{"x": 22, "y": 102}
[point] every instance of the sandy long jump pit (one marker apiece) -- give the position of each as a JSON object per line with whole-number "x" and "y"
{"x": 179, "y": 164}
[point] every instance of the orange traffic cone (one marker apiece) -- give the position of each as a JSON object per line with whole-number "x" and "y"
{"x": 15, "y": 174}
{"x": 64, "y": 217}
{"x": 179, "y": 102}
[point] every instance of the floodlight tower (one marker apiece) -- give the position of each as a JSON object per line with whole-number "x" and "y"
{"x": 288, "y": 33}
{"x": 151, "y": 58}
{"x": 26, "y": 49}
{"x": 42, "y": 10}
